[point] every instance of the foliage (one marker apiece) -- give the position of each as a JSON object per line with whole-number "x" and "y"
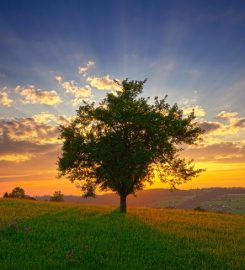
{"x": 17, "y": 192}
{"x": 5, "y": 195}
{"x": 199, "y": 208}
{"x": 57, "y": 197}
{"x": 27, "y": 197}
{"x": 44, "y": 235}
{"x": 125, "y": 142}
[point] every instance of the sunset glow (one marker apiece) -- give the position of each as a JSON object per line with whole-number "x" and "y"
{"x": 49, "y": 64}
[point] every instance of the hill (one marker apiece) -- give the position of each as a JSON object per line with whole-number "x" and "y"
{"x": 45, "y": 235}
{"x": 214, "y": 199}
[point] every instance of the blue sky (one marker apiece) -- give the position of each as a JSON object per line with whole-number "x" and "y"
{"x": 194, "y": 51}
{"x": 180, "y": 46}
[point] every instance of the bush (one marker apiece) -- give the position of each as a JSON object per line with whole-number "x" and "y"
{"x": 6, "y": 195}
{"x": 199, "y": 208}
{"x": 17, "y": 192}
{"x": 57, "y": 197}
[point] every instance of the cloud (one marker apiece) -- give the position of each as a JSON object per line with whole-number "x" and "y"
{"x": 104, "y": 83}
{"x": 234, "y": 124}
{"x": 231, "y": 130}
{"x": 78, "y": 100}
{"x": 20, "y": 147}
{"x": 15, "y": 157}
{"x": 83, "y": 70}
{"x": 219, "y": 130}
{"x": 218, "y": 152}
{"x": 5, "y": 100}
{"x": 198, "y": 110}
{"x": 80, "y": 92}
{"x": 49, "y": 118}
{"x": 188, "y": 105}
{"x": 227, "y": 115}
{"x": 240, "y": 123}
{"x": 44, "y": 117}
{"x": 22, "y": 151}
{"x": 33, "y": 95}
{"x": 29, "y": 129}
{"x": 41, "y": 129}
{"x": 63, "y": 119}
{"x": 30, "y": 139}
{"x": 209, "y": 126}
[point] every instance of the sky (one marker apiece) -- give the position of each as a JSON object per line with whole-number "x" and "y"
{"x": 54, "y": 54}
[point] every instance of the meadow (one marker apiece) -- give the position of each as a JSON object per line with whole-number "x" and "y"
{"x": 48, "y": 235}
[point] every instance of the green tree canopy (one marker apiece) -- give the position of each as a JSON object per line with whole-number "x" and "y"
{"x": 125, "y": 142}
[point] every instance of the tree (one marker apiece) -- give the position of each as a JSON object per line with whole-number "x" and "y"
{"x": 17, "y": 192}
{"x": 57, "y": 197}
{"x": 125, "y": 142}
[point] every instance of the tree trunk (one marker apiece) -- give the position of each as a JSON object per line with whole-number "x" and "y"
{"x": 123, "y": 205}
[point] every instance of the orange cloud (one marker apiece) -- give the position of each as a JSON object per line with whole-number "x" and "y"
{"x": 49, "y": 118}
{"x": 239, "y": 123}
{"x": 33, "y": 95}
{"x": 227, "y": 115}
{"x": 5, "y": 100}
{"x": 198, "y": 110}
{"x": 44, "y": 117}
{"x": 104, "y": 83}
{"x": 15, "y": 157}
{"x": 80, "y": 92}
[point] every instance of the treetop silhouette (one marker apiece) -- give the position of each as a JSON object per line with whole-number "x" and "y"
{"x": 125, "y": 142}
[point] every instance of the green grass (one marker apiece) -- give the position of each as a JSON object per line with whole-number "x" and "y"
{"x": 42, "y": 235}
{"x": 173, "y": 202}
{"x": 234, "y": 204}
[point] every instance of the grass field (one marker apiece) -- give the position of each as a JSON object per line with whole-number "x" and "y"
{"x": 231, "y": 203}
{"x": 43, "y": 235}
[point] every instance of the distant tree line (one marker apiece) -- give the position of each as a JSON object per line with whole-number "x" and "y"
{"x": 18, "y": 193}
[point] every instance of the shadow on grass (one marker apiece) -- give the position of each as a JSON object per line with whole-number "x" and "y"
{"x": 75, "y": 238}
